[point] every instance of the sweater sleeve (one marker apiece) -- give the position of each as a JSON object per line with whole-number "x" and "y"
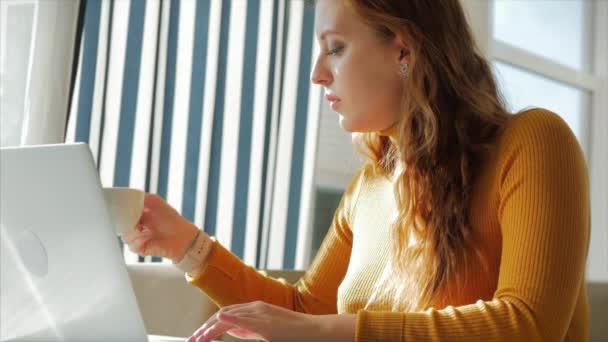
{"x": 227, "y": 280}
{"x": 543, "y": 212}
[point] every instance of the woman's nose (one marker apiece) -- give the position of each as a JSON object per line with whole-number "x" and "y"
{"x": 320, "y": 75}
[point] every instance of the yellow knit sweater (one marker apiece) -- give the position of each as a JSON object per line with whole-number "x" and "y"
{"x": 529, "y": 212}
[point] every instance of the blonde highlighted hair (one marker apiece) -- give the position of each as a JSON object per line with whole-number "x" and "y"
{"x": 451, "y": 114}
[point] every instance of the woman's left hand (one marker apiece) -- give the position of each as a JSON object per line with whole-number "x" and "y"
{"x": 263, "y": 321}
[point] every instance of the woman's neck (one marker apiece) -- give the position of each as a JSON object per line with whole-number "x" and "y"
{"x": 392, "y": 132}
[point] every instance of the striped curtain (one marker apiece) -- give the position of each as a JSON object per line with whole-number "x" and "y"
{"x": 209, "y": 104}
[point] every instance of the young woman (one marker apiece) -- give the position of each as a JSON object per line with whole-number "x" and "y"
{"x": 466, "y": 223}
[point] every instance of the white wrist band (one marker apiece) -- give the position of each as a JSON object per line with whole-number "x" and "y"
{"x": 196, "y": 254}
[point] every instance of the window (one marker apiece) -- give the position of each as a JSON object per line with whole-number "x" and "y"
{"x": 534, "y": 69}
{"x": 553, "y": 54}
{"x": 535, "y": 25}
{"x": 523, "y": 88}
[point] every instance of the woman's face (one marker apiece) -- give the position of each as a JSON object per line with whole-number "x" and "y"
{"x": 358, "y": 69}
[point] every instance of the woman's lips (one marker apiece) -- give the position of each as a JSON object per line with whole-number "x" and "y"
{"x": 334, "y": 105}
{"x": 333, "y": 101}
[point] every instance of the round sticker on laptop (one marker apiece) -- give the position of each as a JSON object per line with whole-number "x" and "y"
{"x": 32, "y": 253}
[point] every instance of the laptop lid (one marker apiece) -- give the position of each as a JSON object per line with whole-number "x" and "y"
{"x": 62, "y": 274}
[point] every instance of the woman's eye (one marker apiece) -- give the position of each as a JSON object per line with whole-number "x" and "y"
{"x": 335, "y": 51}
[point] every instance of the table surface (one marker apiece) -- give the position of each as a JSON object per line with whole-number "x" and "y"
{"x": 159, "y": 338}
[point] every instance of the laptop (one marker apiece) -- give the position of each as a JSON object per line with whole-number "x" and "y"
{"x": 62, "y": 274}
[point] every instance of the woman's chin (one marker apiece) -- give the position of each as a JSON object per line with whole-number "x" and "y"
{"x": 345, "y": 123}
{"x": 350, "y": 125}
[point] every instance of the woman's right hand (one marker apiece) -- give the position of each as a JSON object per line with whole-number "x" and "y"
{"x": 161, "y": 231}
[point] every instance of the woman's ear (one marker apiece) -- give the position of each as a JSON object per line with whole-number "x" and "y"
{"x": 404, "y": 56}
{"x": 402, "y": 48}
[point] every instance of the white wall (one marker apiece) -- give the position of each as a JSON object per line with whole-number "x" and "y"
{"x": 34, "y": 89}
{"x": 50, "y": 74}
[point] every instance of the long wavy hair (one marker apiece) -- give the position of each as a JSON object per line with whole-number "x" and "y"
{"x": 451, "y": 114}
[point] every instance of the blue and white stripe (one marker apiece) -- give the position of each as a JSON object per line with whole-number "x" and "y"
{"x": 209, "y": 104}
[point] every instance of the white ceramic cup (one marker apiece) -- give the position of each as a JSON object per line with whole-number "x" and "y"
{"x": 126, "y": 206}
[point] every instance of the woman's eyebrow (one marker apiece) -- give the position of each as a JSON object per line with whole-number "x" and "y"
{"x": 327, "y": 32}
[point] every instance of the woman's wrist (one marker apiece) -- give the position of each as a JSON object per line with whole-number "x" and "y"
{"x": 205, "y": 247}
{"x": 337, "y": 327}
{"x": 195, "y": 257}
{"x": 185, "y": 241}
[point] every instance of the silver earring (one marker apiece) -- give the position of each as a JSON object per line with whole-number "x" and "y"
{"x": 403, "y": 72}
